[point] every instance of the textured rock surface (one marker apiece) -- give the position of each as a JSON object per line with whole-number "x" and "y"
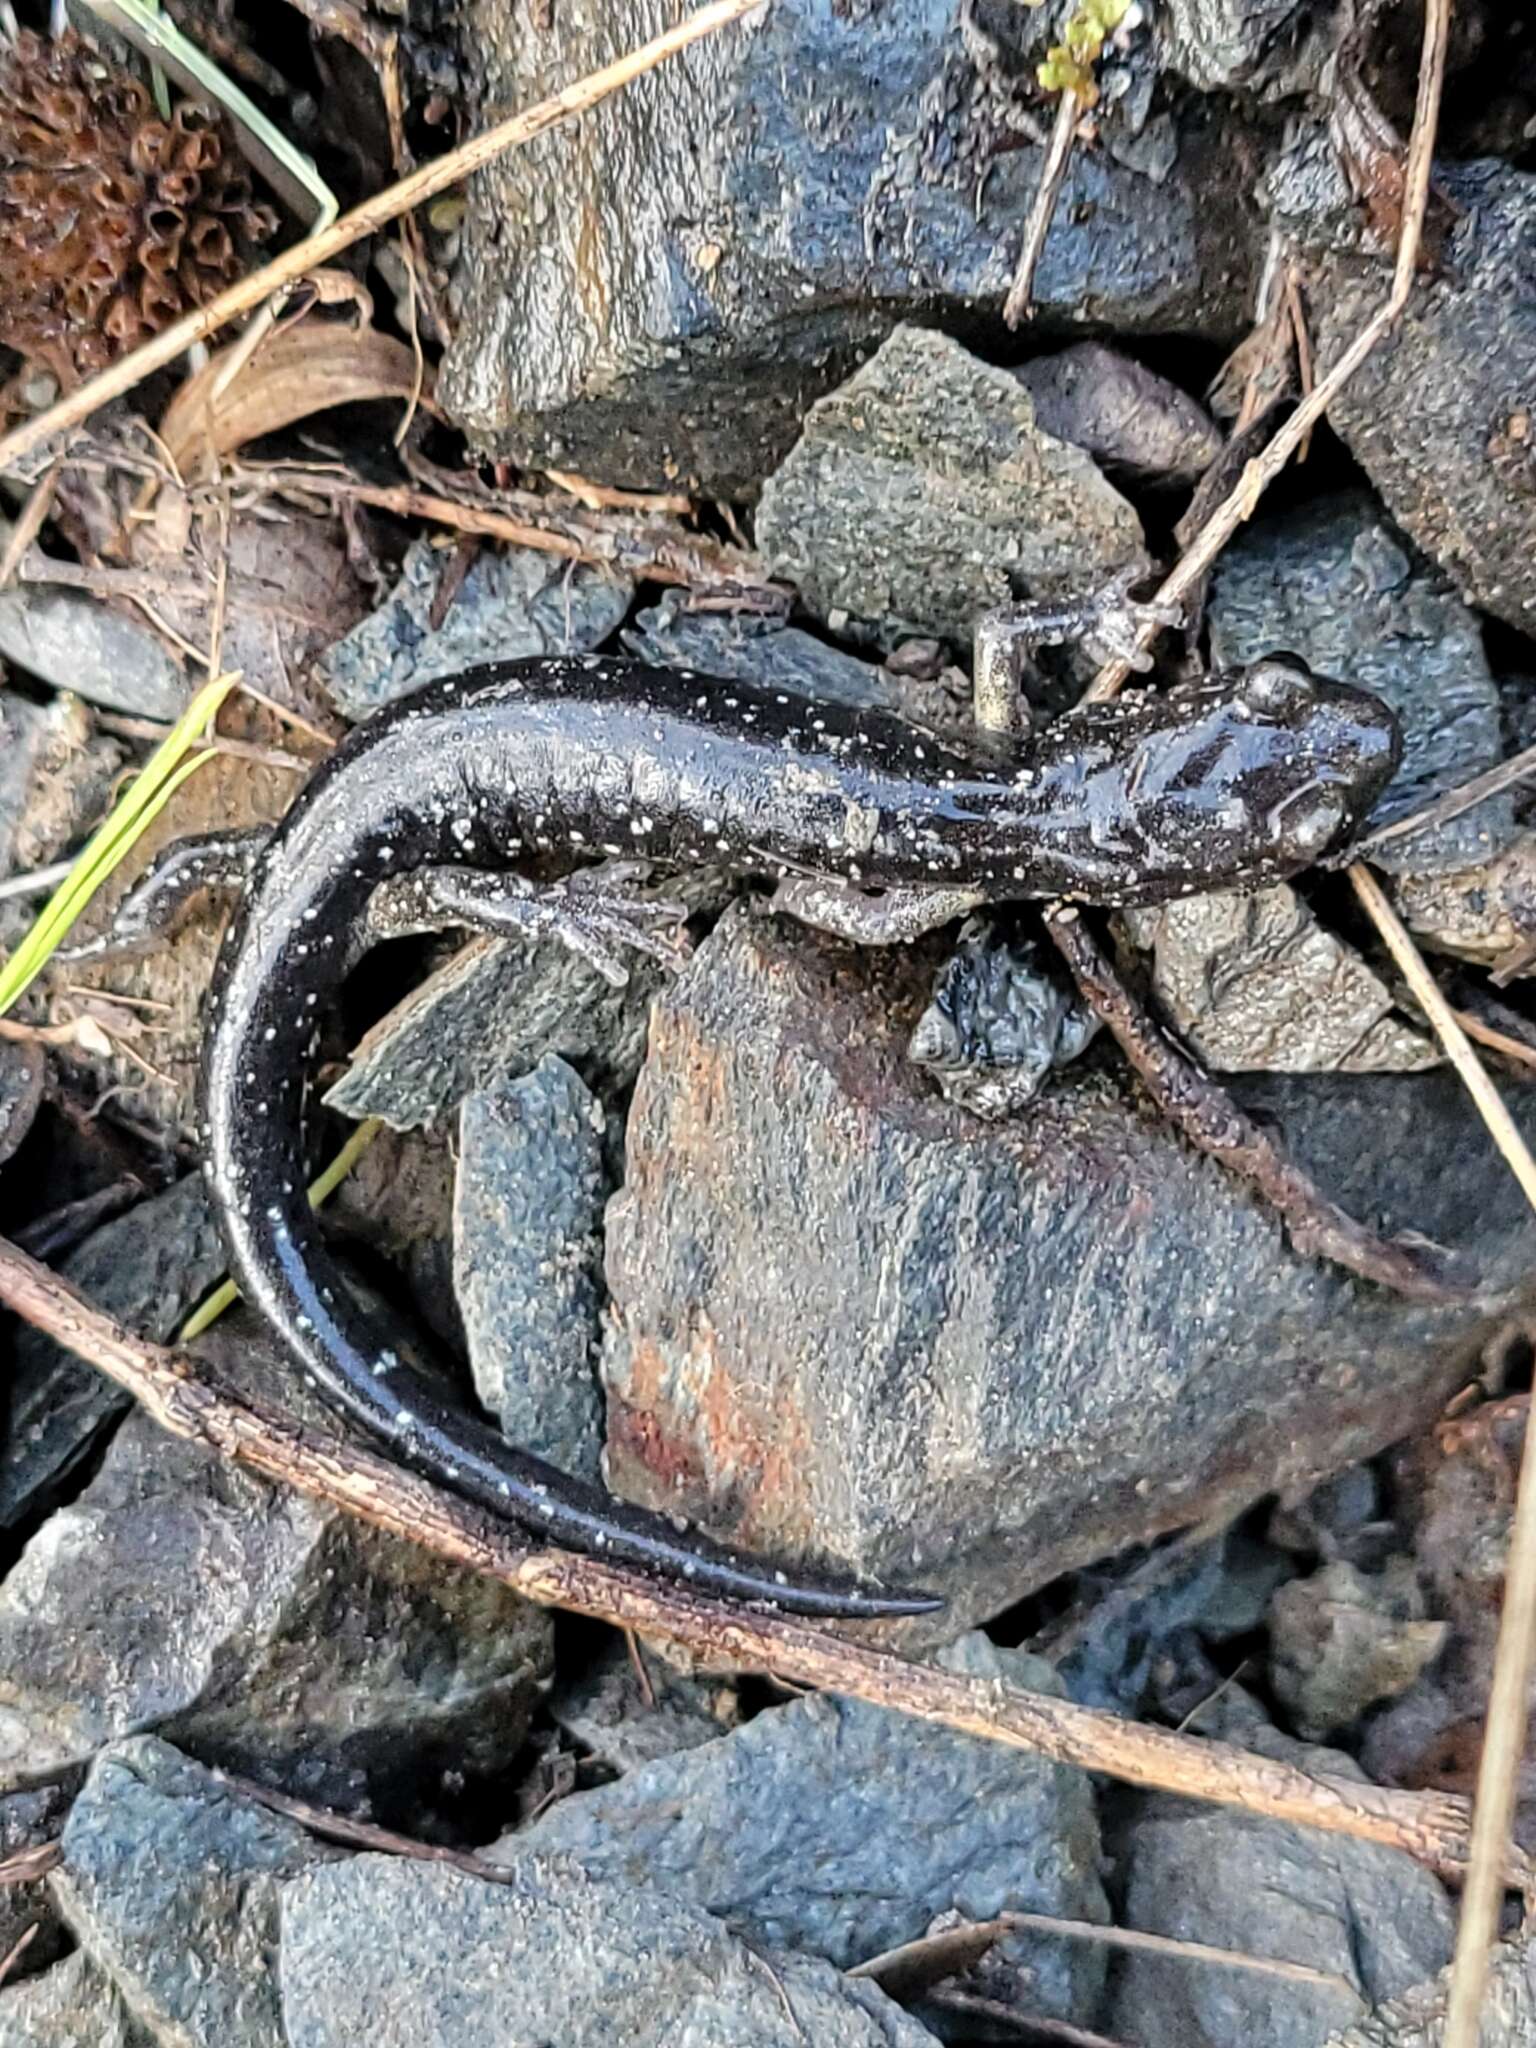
{"x": 170, "y": 1883}
{"x": 993, "y": 1352}
{"x": 512, "y": 603}
{"x": 73, "y": 2005}
{"x": 1368, "y": 1914}
{"x": 147, "y": 1270}
{"x": 1417, "y": 2019}
{"x": 409, "y": 1955}
{"x": 842, "y": 1829}
{"x": 658, "y": 295}
{"x": 527, "y": 1256}
{"x": 28, "y": 1819}
{"x": 923, "y": 492}
{"x": 250, "y": 1626}
{"x": 1253, "y": 981}
{"x": 1121, "y": 413}
{"x": 75, "y": 642}
{"x": 1439, "y": 416}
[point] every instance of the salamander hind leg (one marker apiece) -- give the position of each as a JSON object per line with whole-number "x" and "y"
{"x": 598, "y": 923}
{"x": 212, "y": 861}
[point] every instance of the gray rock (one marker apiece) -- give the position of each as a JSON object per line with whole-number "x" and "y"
{"x": 1333, "y": 584}
{"x": 923, "y": 492}
{"x": 1417, "y": 2019}
{"x": 147, "y": 1270}
{"x": 743, "y": 647}
{"x": 658, "y": 298}
{"x": 23, "y": 1070}
{"x": 604, "y": 1707}
{"x": 1438, "y": 415}
{"x": 841, "y": 1829}
{"x": 171, "y": 1883}
{"x": 995, "y": 1353}
{"x": 180, "y": 1595}
{"x": 1342, "y": 1640}
{"x": 1254, "y": 983}
{"x": 1369, "y": 1914}
{"x": 510, "y": 605}
{"x": 76, "y": 642}
{"x": 1122, "y": 414}
{"x": 412, "y": 1955}
{"x": 73, "y": 2005}
{"x": 1265, "y": 46}
{"x": 527, "y": 1256}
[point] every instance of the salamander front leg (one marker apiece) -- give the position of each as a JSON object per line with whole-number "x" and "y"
{"x": 214, "y": 861}
{"x": 593, "y": 915}
{"x": 885, "y": 917}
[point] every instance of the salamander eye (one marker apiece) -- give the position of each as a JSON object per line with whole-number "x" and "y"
{"x": 1280, "y": 686}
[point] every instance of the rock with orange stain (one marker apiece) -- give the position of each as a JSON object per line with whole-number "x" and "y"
{"x": 852, "y": 1323}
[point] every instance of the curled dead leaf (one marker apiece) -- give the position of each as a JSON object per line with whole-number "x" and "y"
{"x": 297, "y": 371}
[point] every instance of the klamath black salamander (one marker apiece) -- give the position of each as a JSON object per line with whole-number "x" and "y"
{"x": 445, "y": 795}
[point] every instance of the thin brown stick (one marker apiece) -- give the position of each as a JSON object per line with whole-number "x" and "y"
{"x": 1496, "y": 1041}
{"x": 26, "y": 1866}
{"x": 1239, "y": 505}
{"x": 177, "y": 1393}
{"x": 1464, "y": 797}
{"x": 1213, "y": 1122}
{"x": 1505, "y": 1723}
{"x": 362, "y": 1834}
{"x": 385, "y": 206}
{"x": 18, "y": 1949}
{"x": 1053, "y": 172}
{"x": 28, "y": 524}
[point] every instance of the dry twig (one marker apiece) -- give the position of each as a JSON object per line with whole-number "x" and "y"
{"x": 178, "y": 1394}
{"x": 1213, "y": 1122}
{"x": 1053, "y": 172}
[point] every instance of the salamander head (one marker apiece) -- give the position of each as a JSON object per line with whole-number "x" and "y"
{"x": 1330, "y": 751}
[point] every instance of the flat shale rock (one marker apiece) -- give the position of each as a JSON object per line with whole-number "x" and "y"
{"x": 1369, "y": 1914}
{"x": 851, "y": 1321}
{"x": 148, "y": 1270}
{"x": 923, "y": 492}
{"x": 75, "y": 641}
{"x": 658, "y": 294}
{"x": 840, "y": 1829}
{"x": 527, "y": 1257}
{"x": 412, "y": 1955}
{"x": 171, "y": 1882}
{"x": 511, "y": 604}
{"x": 1439, "y": 415}
{"x": 259, "y": 1631}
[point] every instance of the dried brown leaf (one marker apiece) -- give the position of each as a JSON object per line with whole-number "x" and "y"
{"x": 298, "y": 371}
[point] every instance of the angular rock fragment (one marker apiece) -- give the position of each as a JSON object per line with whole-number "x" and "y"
{"x": 658, "y": 297}
{"x": 841, "y": 1829}
{"x": 923, "y": 493}
{"x": 1124, "y": 415}
{"x": 412, "y": 1955}
{"x": 852, "y": 1322}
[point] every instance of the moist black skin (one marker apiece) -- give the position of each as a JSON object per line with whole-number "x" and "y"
{"x": 1235, "y": 784}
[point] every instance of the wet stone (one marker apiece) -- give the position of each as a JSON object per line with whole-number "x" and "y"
{"x": 147, "y": 1270}
{"x": 171, "y": 1883}
{"x": 179, "y": 1595}
{"x": 75, "y": 642}
{"x": 743, "y": 648}
{"x": 528, "y": 1209}
{"x": 840, "y": 1829}
{"x": 512, "y": 603}
{"x": 923, "y": 492}
{"x": 412, "y": 1955}
{"x": 655, "y": 301}
{"x": 995, "y": 1352}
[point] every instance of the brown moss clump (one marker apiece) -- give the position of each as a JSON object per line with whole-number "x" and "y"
{"x": 113, "y": 223}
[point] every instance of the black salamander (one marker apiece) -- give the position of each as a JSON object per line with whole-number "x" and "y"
{"x": 442, "y": 797}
